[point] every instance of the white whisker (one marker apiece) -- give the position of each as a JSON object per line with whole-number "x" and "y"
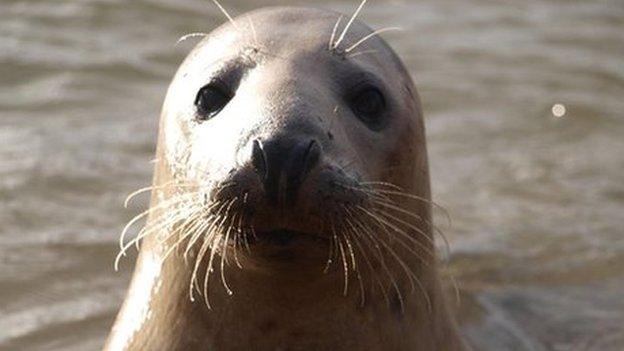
{"x": 225, "y": 13}
{"x": 253, "y": 32}
{"x": 346, "y": 28}
{"x": 377, "y": 32}
{"x": 333, "y": 35}
{"x": 189, "y": 36}
{"x": 360, "y": 53}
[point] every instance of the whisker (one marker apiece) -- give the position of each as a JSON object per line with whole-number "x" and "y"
{"x": 196, "y": 225}
{"x": 194, "y": 284}
{"x": 374, "y": 243}
{"x": 390, "y": 185}
{"x": 412, "y": 277}
{"x": 333, "y": 35}
{"x": 384, "y": 225}
{"x": 214, "y": 238}
{"x": 206, "y": 232}
{"x": 364, "y": 52}
{"x": 366, "y": 259}
{"x": 146, "y": 189}
{"x": 189, "y": 36}
{"x": 344, "y": 262}
{"x": 241, "y": 228}
{"x": 419, "y": 198}
{"x": 225, "y": 247}
{"x": 427, "y": 249}
{"x": 351, "y": 255}
{"x": 357, "y": 271}
{"x": 330, "y": 254}
{"x": 346, "y": 28}
{"x": 225, "y": 13}
{"x": 237, "y": 238}
{"x": 174, "y": 223}
{"x": 253, "y": 32}
{"x": 160, "y": 223}
{"x": 146, "y": 231}
{"x": 377, "y": 32}
{"x": 435, "y": 228}
{"x": 382, "y": 199}
{"x": 222, "y": 187}
{"x": 141, "y": 216}
{"x": 214, "y": 218}
{"x": 209, "y": 270}
{"x": 363, "y": 229}
{"x": 388, "y": 272}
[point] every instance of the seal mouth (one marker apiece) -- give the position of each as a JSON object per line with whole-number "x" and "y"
{"x": 285, "y": 237}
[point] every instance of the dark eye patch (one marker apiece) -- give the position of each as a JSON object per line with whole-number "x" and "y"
{"x": 369, "y": 105}
{"x": 211, "y": 99}
{"x": 365, "y": 93}
{"x": 221, "y": 88}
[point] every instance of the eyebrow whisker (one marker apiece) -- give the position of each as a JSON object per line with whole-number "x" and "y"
{"x": 253, "y": 31}
{"x": 333, "y": 35}
{"x": 216, "y": 2}
{"x": 375, "y": 33}
{"x": 346, "y": 28}
{"x": 356, "y": 54}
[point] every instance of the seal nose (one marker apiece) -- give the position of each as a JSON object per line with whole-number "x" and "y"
{"x": 282, "y": 165}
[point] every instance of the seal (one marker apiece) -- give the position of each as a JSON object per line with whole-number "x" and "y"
{"x": 290, "y": 207}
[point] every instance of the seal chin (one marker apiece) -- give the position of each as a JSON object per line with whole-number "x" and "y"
{"x": 291, "y": 247}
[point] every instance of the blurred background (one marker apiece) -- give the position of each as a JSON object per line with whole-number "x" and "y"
{"x": 524, "y": 104}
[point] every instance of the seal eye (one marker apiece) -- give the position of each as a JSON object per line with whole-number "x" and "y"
{"x": 210, "y": 100}
{"x": 369, "y": 106}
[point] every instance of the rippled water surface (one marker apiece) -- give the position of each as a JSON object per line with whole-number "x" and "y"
{"x": 537, "y": 201}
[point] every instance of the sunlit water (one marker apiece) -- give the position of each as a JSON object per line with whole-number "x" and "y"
{"x": 537, "y": 201}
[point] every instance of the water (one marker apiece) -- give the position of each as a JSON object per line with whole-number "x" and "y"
{"x": 537, "y": 201}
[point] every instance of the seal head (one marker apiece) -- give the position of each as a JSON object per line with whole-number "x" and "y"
{"x": 291, "y": 166}
{"x": 285, "y": 126}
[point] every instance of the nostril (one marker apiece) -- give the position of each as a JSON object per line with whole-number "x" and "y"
{"x": 304, "y": 156}
{"x": 282, "y": 164}
{"x": 303, "y": 160}
{"x": 311, "y": 157}
{"x": 259, "y": 160}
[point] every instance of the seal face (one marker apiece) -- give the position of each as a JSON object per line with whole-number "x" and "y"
{"x": 291, "y": 160}
{"x": 281, "y": 128}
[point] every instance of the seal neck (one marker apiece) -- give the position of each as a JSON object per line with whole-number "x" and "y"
{"x": 272, "y": 312}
